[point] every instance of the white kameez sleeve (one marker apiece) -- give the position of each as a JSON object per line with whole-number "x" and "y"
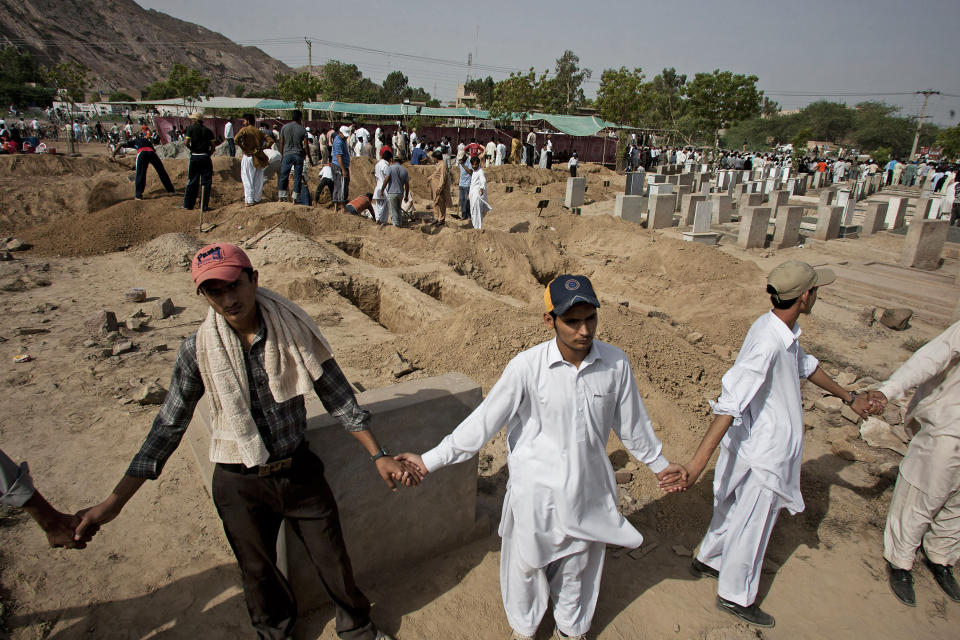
{"x": 806, "y": 363}
{"x": 496, "y": 411}
{"x": 742, "y": 381}
{"x": 632, "y": 425}
{"x": 928, "y": 361}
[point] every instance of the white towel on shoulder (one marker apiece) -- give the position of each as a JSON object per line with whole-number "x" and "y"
{"x": 294, "y": 354}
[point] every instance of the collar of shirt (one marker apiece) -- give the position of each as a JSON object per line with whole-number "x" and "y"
{"x": 788, "y": 335}
{"x": 555, "y": 357}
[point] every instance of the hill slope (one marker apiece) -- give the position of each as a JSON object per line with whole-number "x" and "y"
{"x": 127, "y": 47}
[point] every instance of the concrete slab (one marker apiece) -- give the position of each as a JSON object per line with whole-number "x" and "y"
{"x": 722, "y": 208}
{"x": 874, "y": 217}
{"x": 576, "y": 192}
{"x": 787, "y": 231}
{"x": 828, "y": 223}
{"x": 630, "y": 208}
{"x": 660, "y": 211}
{"x": 753, "y": 227}
{"x": 924, "y": 243}
{"x": 688, "y": 207}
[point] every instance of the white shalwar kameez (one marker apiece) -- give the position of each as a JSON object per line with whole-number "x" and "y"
{"x": 925, "y": 508}
{"x": 379, "y": 197}
{"x": 560, "y": 509}
{"x": 252, "y": 179}
{"x": 758, "y": 469}
{"x": 479, "y": 205}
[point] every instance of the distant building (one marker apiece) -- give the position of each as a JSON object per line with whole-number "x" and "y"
{"x": 464, "y": 97}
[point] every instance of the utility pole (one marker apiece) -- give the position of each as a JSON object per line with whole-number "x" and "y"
{"x": 923, "y": 114}
{"x": 309, "y": 55}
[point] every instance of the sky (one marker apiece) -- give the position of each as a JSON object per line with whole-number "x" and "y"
{"x": 843, "y": 50}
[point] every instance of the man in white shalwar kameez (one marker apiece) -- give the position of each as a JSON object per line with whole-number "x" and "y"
{"x": 758, "y": 423}
{"x": 925, "y": 508}
{"x": 380, "y": 175}
{"x": 559, "y": 402}
{"x": 479, "y": 205}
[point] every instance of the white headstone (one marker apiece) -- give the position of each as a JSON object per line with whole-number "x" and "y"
{"x": 702, "y": 217}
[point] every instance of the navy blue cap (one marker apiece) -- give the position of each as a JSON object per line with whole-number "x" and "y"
{"x": 566, "y": 290}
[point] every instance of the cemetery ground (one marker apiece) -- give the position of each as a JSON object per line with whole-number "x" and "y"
{"x": 438, "y": 300}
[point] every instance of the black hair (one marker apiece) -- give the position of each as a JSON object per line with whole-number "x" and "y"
{"x": 249, "y": 117}
{"x": 777, "y": 302}
{"x": 297, "y": 116}
{"x": 369, "y": 195}
{"x": 246, "y": 270}
{"x": 387, "y": 155}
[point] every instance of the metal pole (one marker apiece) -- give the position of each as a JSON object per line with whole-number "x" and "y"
{"x": 309, "y": 55}
{"x": 923, "y": 114}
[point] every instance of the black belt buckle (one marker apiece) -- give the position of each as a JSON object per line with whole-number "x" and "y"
{"x": 271, "y": 468}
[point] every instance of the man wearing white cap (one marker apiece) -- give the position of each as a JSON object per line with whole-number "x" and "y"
{"x": 341, "y": 168}
{"x": 758, "y": 423}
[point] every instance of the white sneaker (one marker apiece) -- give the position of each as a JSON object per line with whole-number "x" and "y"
{"x": 560, "y": 636}
{"x": 516, "y": 636}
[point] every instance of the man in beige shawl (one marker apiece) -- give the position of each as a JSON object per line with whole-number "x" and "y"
{"x": 252, "y": 142}
{"x": 440, "y": 189}
{"x": 256, "y": 355}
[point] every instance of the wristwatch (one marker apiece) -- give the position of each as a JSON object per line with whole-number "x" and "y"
{"x": 853, "y": 397}
{"x": 379, "y": 454}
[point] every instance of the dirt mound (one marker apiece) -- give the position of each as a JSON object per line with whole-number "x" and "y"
{"x": 285, "y": 247}
{"x": 169, "y": 252}
{"x": 46, "y": 165}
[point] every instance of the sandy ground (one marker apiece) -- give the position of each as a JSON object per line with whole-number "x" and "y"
{"x": 447, "y": 299}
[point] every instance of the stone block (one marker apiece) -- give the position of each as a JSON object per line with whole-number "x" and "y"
{"x": 656, "y": 179}
{"x": 896, "y": 212}
{"x": 826, "y": 196}
{"x": 660, "y": 189}
{"x": 673, "y": 179}
{"x": 165, "y": 308}
{"x": 787, "y": 231}
{"x": 702, "y": 217}
{"x": 630, "y": 208}
{"x": 722, "y": 208}
{"x": 873, "y": 219}
{"x": 753, "y": 200}
{"x": 101, "y": 323}
{"x": 688, "y": 207}
{"x": 753, "y": 227}
{"x": 828, "y": 223}
{"x": 383, "y": 530}
{"x": 576, "y": 192}
{"x": 778, "y": 199}
{"x": 137, "y": 294}
{"x": 924, "y": 243}
{"x": 685, "y": 179}
{"x": 660, "y": 213}
{"x": 636, "y": 184}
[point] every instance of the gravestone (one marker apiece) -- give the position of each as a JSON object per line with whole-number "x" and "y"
{"x": 753, "y": 227}
{"x": 924, "y": 243}
{"x": 778, "y": 199}
{"x": 754, "y": 200}
{"x": 849, "y": 204}
{"x": 701, "y": 225}
{"x": 660, "y": 189}
{"x": 722, "y": 208}
{"x": 576, "y": 191}
{"x": 688, "y": 206}
{"x": 660, "y": 210}
{"x": 636, "y": 184}
{"x": 874, "y": 217}
{"x": 787, "y": 231}
{"x": 630, "y": 208}
{"x": 896, "y": 212}
{"x": 384, "y": 531}
{"x": 826, "y": 197}
{"x": 828, "y": 223}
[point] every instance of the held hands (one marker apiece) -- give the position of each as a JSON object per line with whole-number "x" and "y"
{"x": 90, "y": 519}
{"x": 398, "y": 470}
{"x": 878, "y": 402}
{"x": 673, "y": 478}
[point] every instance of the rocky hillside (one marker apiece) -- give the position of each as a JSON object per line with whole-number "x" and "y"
{"x": 127, "y": 47}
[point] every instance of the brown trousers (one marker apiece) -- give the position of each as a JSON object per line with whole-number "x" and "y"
{"x": 252, "y": 509}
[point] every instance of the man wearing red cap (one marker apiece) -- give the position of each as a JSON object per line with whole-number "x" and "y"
{"x": 758, "y": 424}
{"x": 559, "y": 401}
{"x": 256, "y": 355}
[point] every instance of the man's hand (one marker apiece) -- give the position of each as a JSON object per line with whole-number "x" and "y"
{"x": 878, "y": 402}
{"x": 394, "y": 471}
{"x": 692, "y": 472}
{"x": 414, "y": 461}
{"x": 862, "y": 405}
{"x": 58, "y": 526}
{"x": 91, "y": 518}
{"x": 672, "y": 478}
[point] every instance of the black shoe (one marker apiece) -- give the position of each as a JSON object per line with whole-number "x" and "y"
{"x": 943, "y": 574}
{"x": 901, "y": 583}
{"x": 751, "y": 614}
{"x": 702, "y": 570}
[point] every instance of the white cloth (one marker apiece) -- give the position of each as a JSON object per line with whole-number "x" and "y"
{"x": 294, "y": 353}
{"x": 326, "y": 171}
{"x": 561, "y": 493}
{"x": 501, "y": 154}
{"x": 744, "y": 513}
{"x": 916, "y": 518}
{"x": 572, "y": 582}
{"x": 274, "y": 159}
{"x": 479, "y": 205}
{"x": 252, "y": 179}
{"x": 489, "y": 152}
{"x": 228, "y": 130}
{"x": 762, "y": 393}
{"x": 935, "y": 371}
{"x": 379, "y": 200}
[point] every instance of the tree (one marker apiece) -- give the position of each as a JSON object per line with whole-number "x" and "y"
{"x": 120, "y": 96}
{"x": 619, "y": 98}
{"x": 297, "y": 88}
{"x": 345, "y": 82}
{"x": 949, "y": 140}
{"x": 159, "y": 90}
{"x": 187, "y": 84}
{"x": 239, "y": 90}
{"x": 483, "y": 89}
{"x": 564, "y": 92}
{"x": 723, "y": 98}
{"x": 665, "y": 98}
{"x": 877, "y": 125}
{"x": 17, "y": 70}
{"x": 799, "y": 143}
{"x": 829, "y": 121}
{"x": 395, "y": 87}
{"x": 769, "y": 108}
{"x": 515, "y": 96}
{"x": 69, "y": 80}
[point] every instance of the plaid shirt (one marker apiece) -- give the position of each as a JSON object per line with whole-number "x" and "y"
{"x": 281, "y": 425}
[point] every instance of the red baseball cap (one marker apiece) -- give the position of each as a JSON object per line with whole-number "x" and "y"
{"x": 220, "y": 261}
